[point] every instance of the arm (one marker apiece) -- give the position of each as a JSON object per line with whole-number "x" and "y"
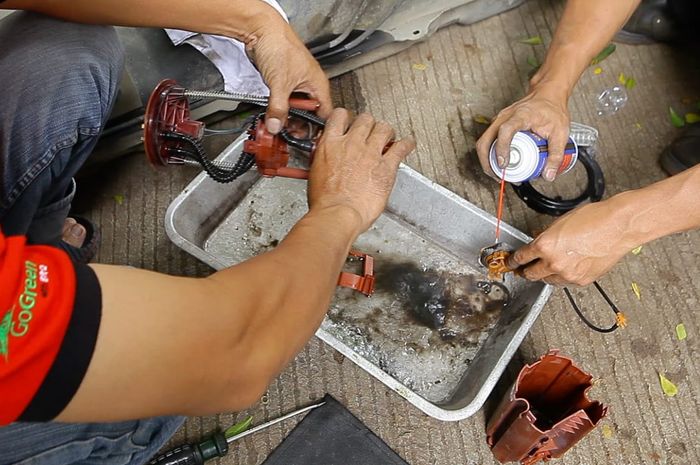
{"x": 585, "y": 27}
{"x": 587, "y": 242}
{"x": 283, "y": 60}
{"x": 195, "y": 346}
{"x": 241, "y": 20}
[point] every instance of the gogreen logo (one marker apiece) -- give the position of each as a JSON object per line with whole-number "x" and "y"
{"x": 27, "y": 300}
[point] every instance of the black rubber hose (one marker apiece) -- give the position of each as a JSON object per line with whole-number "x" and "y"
{"x": 307, "y": 145}
{"x": 558, "y": 206}
{"x": 217, "y": 173}
{"x": 585, "y": 320}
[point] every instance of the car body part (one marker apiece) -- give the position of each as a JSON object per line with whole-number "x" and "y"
{"x": 172, "y": 137}
{"x": 544, "y": 413}
{"x": 495, "y": 259}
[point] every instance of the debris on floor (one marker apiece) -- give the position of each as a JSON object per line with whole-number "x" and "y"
{"x": 680, "y": 332}
{"x": 481, "y": 119}
{"x": 692, "y": 118}
{"x": 668, "y": 387}
{"x": 534, "y": 40}
{"x": 606, "y": 52}
{"x": 637, "y": 292}
{"x": 676, "y": 119}
{"x": 607, "y": 431}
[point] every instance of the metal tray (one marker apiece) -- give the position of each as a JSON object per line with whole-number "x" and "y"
{"x": 426, "y": 248}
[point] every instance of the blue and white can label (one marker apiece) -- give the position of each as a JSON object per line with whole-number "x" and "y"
{"x": 528, "y": 155}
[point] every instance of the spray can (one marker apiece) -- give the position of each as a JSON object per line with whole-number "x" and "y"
{"x": 528, "y": 155}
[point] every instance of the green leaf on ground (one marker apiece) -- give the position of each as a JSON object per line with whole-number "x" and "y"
{"x": 239, "y": 427}
{"x": 668, "y": 387}
{"x": 532, "y": 61}
{"x": 607, "y": 431}
{"x": 680, "y": 332}
{"x": 637, "y": 292}
{"x": 534, "y": 40}
{"x": 626, "y": 81}
{"x": 481, "y": 119}
{"x": 119, "y": 199}
{"x": 676, "y": 119}
{"x": 692, "y": 118}
{"x": 606, "y": 52}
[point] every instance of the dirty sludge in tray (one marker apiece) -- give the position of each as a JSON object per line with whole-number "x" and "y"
{"x": 431, "y": 310}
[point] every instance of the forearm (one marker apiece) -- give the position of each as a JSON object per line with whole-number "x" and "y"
{"x": 289, "y": 289}
{"x": 181, "y": 345}
{"x": 240, "y": 19}
{"x": 583, "y": 31}
{"x": 663, "y": 208}
{"x": 171, "y": 345}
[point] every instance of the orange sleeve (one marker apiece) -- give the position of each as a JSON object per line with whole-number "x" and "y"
{"x": 36, "y": 300}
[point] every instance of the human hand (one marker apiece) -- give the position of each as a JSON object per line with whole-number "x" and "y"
{"x": 287, "y": 66}
{"x": 349, "y": 169}
{"x": 543, "y": 111}
{"x": 578, "y": 248}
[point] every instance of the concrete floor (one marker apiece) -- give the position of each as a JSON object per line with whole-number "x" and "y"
{"x": 469, "y": 71}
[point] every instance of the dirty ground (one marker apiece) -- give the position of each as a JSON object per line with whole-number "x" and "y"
{"x": 433, "y": 91}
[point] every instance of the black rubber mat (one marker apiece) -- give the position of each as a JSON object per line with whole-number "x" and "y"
{"x": 331, "y": 435}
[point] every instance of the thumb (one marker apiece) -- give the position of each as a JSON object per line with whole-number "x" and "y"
{"x": 399, "y": 151}
{"x": 522, "y": 256}
{"x": 277, "y": 109}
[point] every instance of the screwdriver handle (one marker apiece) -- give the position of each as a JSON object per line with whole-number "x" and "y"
{"x": 194, "y": 454}
{"x": 183, "y": 455}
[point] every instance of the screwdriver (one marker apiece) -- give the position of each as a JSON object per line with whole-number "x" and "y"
{"x": 217, "y": 444}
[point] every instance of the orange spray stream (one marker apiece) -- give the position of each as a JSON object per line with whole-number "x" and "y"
{"x": 499, "y": 213}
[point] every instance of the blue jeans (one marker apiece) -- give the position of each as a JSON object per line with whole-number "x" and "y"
{"x": 129, "y": 442}
{"x": 58, "y": 82}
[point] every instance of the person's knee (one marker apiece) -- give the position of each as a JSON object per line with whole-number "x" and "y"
{"x": 59, "y": 82}
{"x": 57, "y": 66}
{"x": 105, "y": 57}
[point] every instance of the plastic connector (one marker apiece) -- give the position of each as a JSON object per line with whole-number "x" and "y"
{"x": 361, "y": 283}
{"x": 544, "y": 413}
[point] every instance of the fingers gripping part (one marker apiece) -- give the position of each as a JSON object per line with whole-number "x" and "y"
{"x": 171, "y": 137}
{"x": 499, "y": 261}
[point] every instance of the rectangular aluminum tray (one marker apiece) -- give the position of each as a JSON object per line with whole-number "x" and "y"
{"x": 427, "y": 236}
